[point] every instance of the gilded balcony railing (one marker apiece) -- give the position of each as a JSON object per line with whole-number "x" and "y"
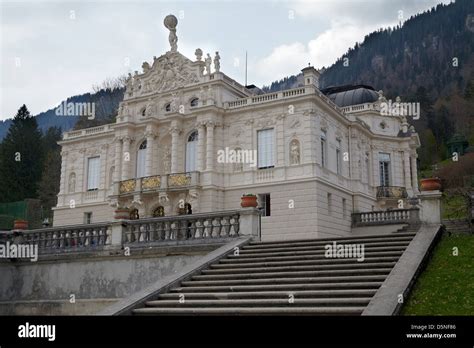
{"x": 179, "y": 180}
{"x": 128, "y": 186}
{"x": 151, "y": 182}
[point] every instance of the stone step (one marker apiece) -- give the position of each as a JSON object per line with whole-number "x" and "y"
{"x": 322, "y": 247}
{"x": 252, "y": 311}
{"x": 333, "y": 279}
{"x": 321, "y": 254}
{"x": 272, "y": 294}
{"x": 295, "y": 274}
{"x": 376, "y": 241}
{"x": 301, "y": 302}
{"x": 321, "y": 262}
{"x": 326, "y": 240}
{"x": 354, "y": 285}
{"x": 355, "y": 265}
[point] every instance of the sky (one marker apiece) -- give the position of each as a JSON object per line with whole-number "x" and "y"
{"x": 51, "y": 50}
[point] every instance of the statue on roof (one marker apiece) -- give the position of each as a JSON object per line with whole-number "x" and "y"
{"x": 208, "y": 62}
{"x": 170, "y": 23}
{"x": 217, "y": 63}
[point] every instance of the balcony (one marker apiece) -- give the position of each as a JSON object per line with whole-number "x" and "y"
{"x": 391, "y": 192}
{"x": 155, "y": 183}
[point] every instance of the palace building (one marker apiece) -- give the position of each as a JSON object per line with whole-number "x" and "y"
{"x": 321, "y": 154}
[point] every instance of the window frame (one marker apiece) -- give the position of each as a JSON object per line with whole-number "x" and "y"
{"x": 265, "y": 151}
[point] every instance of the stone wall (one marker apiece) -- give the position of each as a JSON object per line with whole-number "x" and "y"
{"x": 45, "y": 287}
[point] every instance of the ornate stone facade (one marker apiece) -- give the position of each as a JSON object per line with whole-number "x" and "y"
{"x": 318, "y": 162}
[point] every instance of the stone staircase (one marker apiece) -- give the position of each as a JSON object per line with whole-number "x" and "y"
{"x": 286, "y": 277}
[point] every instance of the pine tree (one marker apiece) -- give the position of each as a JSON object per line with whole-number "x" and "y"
{"x": 48, "y": 187}
{"x": 21, "y": 157}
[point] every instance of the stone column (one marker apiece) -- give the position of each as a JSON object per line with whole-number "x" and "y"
{"x": 200, "y": 155}
{"x": 282, "y": 148}
{"x": 150, "y": 137}
{"x": 63, "y": 187}
{"x": 126, "y": 158}
{"x": 414, "y": 172}
{"x": 175, "y": 131}
{"x": 210, "y": 146}
{"x": 408, "y": 178}
{"x": 118, "y": 159}
{"x": 103, "y": 166}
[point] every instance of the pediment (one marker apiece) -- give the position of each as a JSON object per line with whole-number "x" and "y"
{"x": 167, "y": 73}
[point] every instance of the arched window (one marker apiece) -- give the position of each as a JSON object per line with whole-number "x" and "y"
{"x": 191, "y": 149}
{"x": 194, "y": 102}
{"x": 168, "y": 107}
{"x": 141, "y": 156}
{"x": 143, "y": 112}
{"x": 159, "y": 211}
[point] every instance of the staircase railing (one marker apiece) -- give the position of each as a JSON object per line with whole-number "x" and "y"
{"x": 385, "y": 217}
{"x": 218, "y": 226}
{"x": 184, "y": 227}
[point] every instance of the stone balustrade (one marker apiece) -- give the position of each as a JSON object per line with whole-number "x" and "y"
{"x": 62, "y": 239}
{"x": 203, "y": 227}
{"x": 183, "y": 227}
{"x": 385, "y": 217}
{"x": 269, "y": 97}
{"x": 88, "y": 131}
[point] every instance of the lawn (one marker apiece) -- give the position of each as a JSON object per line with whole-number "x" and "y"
{"x": 446, "y": 286}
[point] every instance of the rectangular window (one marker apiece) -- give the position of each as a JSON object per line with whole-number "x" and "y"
{"x": 265, "y": 148}
{"x": 264, "y": 200}
{"x": 141, "y": 159}
{"x": 384, "y": 168}
{"x": 87, "y": 218}
{"x": 323, "y": 148}
{"x": 338, "y": 157}
{"x": 93, "y": 173}
{"x": 344, "y": 211}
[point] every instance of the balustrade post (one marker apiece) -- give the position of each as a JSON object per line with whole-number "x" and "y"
{"x": 430, "y": 207}
{"x": 118, "y": 230}
{"x": 250, "y": 222}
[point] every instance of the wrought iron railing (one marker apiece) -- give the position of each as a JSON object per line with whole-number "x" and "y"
{"x": 391, "y": 192}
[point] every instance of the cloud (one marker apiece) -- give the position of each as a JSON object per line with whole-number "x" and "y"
{"x": 289, "y": 59}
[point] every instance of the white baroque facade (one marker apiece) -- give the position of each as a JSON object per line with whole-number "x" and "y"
{"x": 321, "y": 155}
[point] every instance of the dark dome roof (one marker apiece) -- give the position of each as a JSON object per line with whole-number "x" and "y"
{"x": 351, "y": 95}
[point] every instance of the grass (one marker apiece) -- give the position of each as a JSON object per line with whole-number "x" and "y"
{"x": 454, "y": 207}
{"x": 446, "y": 287}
